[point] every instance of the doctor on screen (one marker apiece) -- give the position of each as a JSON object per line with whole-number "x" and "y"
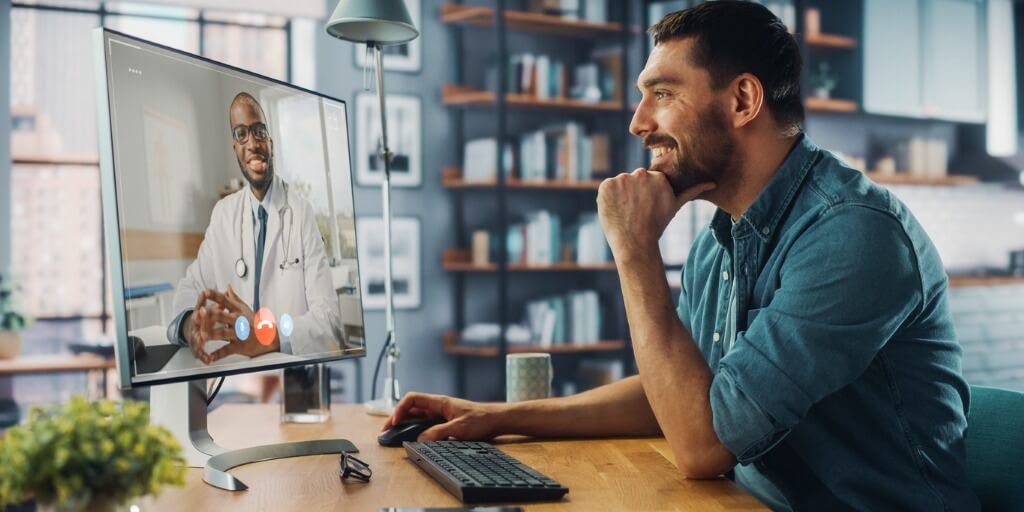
{"x": 262, "y": 253}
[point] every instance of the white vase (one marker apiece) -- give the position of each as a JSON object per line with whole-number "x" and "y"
{"x": 10, "y": 344}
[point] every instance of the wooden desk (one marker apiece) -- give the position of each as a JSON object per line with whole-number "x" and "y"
{"x": 615, "y": 474}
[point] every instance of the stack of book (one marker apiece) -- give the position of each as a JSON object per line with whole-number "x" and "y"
{"x": 541, "y": 240}
{"x": 595, "y": 11}
{"x": 537, "y": 75}
{"x": 586, "y": 242}
{"x": 600, "y": 79}
{"x": 563, "y": 152}
{"x": 545, "y": 78}
{"x": 572, "y": 318}
{"x": 480, "y": 160}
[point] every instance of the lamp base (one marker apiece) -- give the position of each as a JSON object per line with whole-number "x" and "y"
{"x": 378, "y": 407}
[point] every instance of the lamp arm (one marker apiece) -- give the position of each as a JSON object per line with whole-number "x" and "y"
{"x": 391, "y": 392}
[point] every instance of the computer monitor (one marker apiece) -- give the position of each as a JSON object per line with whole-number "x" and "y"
{"x": 229, "y": 220}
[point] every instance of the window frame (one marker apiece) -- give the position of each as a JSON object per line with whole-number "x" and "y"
{"x": 93, "y": 164}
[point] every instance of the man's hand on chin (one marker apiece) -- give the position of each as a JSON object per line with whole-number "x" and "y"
{"x": 636, "y": 208}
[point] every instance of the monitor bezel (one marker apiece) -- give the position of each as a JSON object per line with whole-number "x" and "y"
{"x": 123, "y": 351}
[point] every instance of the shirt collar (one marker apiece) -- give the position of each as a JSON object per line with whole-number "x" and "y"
{"x": 764, "y": 214}
{"x": 254, "y": 204}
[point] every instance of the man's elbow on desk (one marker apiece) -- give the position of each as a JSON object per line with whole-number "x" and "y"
{"x": 703, "y": 462}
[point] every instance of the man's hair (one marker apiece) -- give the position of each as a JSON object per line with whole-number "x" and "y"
{"x": 735, "y": 36}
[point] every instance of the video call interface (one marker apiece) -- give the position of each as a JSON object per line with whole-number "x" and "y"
{"x": 235, "y": 215}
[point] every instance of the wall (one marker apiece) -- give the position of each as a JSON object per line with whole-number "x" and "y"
{"x": 5, "y": 135}
{"x": 423, "y": 366}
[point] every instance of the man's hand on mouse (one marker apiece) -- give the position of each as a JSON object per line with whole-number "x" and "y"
{"x": 635, "y": 208}
{"x": 465, "y": 420}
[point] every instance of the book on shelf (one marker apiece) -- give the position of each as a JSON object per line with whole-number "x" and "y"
{"x": 573, "y": 318}
{"x": 595, "y": 11}
{"x": 586, "y": 241}
{"x": 543, "y": 240}
{"x": 561, "y": 152}
{"x": 610, "y": 62}
{"x": 564, "y": 8}
{"x": 483, "y": 334}
{"x": 480, "y": 159}
{"x": 544, "y": 77}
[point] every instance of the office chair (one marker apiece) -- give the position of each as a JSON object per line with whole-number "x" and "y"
{"x": 995, "y": 447}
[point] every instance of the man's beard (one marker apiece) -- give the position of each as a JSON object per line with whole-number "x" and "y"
{"x": 268, "y": 175}
{"x": 707, "y": 156}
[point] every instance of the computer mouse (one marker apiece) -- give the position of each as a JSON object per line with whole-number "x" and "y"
{"x": 406, "y": 431}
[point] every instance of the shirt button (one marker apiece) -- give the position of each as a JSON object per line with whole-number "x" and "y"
{"x": 716, "y": 337}
{"x": 766, "y": 231}
{"x": 725, "y": 275}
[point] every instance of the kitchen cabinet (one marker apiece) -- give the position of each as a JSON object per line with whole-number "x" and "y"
{"x": 925, "y": 59}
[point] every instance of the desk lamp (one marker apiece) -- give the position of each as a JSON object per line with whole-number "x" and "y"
{"x": 377, "y": 23}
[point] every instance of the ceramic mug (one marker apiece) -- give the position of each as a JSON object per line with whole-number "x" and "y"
{"x": 528, "y": 376}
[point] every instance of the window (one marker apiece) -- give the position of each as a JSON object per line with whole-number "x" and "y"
{"x": 57, "y": 244}
{"x": 58, "y": 257}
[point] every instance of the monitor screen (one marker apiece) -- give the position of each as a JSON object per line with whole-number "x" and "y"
{"x": 229, "y": 217}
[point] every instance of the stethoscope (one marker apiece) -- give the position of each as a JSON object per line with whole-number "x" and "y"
{"x": 241, "y": 269}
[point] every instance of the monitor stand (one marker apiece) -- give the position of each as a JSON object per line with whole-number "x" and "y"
{"x": 181, "y": 408}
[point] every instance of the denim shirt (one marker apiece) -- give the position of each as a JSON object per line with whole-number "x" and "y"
{"x": 842, "y": 389}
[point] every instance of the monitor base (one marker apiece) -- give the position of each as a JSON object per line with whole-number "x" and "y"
{"x": 181, "y": 408}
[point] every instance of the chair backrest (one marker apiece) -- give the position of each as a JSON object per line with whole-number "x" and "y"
{"x": 995, "y": 447}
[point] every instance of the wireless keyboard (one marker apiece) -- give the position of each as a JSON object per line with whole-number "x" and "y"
{"x": 478, "y": 472}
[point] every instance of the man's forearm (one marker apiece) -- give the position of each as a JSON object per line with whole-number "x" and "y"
{"x": 675, "y": 376}
{"x": 616, "y": 409}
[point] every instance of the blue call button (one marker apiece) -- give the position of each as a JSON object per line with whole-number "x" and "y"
{"x": 242, "y": 328}
{"x": 286, "y": 325}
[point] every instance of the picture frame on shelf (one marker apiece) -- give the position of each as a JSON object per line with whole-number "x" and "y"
{"x": 405, "y": 263}
{"x": 405, "y": 134}
{"x": 398, "y": 57}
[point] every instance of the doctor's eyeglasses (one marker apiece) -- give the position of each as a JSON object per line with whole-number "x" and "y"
{"x": 258, "y": 130}
{"x": 351, "y": 467}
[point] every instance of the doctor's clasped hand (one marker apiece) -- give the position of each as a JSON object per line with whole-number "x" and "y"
{"x": 214, "y": 318}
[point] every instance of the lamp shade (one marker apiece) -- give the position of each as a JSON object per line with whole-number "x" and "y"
{"x": 381, "y": 21}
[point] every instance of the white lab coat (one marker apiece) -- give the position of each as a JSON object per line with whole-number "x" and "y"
{"x": 303, "y": 290}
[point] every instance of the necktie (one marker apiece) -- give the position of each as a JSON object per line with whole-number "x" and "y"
{"x": 260, "y": 242}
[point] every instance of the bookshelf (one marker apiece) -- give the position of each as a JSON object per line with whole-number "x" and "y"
{"x": 507, "y": 116}
{"x": 966, "y": 281}
{"x": 463, "y": 96}
{"x": 452, "y": 346}
{"x": 451, "y": 178}
{"x": 459, "y": 260}
{"x": 527, "y": 22}
{"x": 902, "y": 178}
{"x": 830, "y": 41}
{"x": 816, "y": 104}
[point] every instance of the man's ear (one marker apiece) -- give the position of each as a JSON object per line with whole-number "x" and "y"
{"x": 747, "y": 95}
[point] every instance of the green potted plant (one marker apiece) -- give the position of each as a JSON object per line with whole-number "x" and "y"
{"x": 92, "y": 456}
{"x": 11, "y": 322}
{"x": 823, "y": 81}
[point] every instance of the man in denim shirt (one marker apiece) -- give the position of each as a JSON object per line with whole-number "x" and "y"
{"x": 812, "y": 351}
